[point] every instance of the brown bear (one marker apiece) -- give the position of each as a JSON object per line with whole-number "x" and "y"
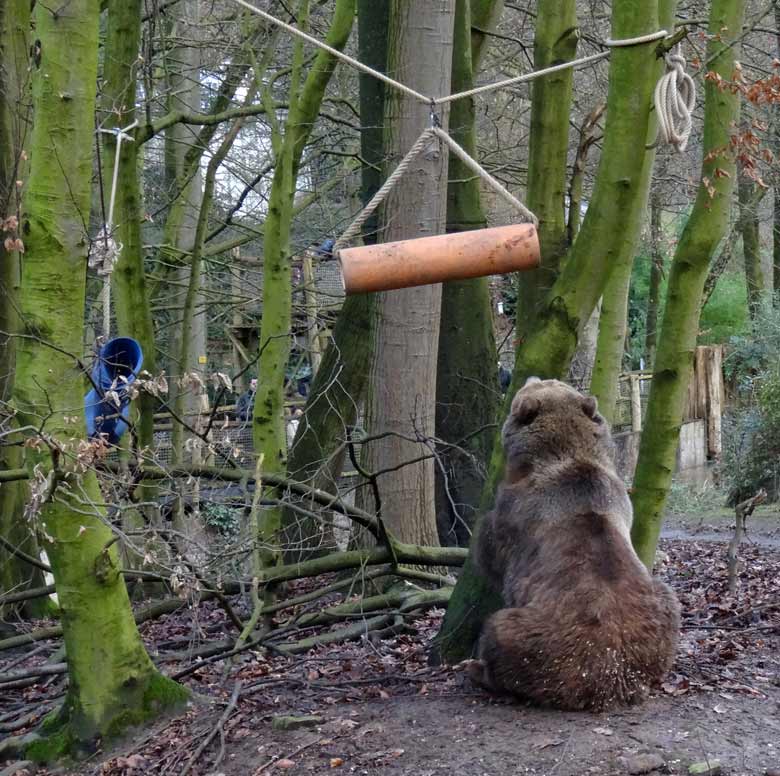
{"x": 586, "y": 626}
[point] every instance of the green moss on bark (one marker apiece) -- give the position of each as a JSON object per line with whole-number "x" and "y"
{"x": 109, "y": 670}
{"x": 700, "y": 237}
{"x": 269, "y": 434}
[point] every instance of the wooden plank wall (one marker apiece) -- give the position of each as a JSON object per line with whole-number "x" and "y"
{"x": 706, "y": 394}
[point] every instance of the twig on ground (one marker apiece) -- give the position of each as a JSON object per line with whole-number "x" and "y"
{"x": 218, "y": 729}
{"x": 266, "y": 766}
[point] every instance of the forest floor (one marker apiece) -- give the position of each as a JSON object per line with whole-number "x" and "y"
{"x": 378, "y": 708}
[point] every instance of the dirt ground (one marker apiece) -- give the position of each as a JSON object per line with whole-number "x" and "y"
{"x": 380, "y": 709}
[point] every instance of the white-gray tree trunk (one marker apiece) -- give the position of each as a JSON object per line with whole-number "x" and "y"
{"x": 403, "y": 374}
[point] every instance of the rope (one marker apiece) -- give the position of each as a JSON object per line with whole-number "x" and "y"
{"x": 354, "y": 228}
{"x": 484, "y": 175}
{"x": 105, "y": 251}
{"x": 358, "y": 65}
{"x": 648, "y": 38}
{"x": 335, "y": 52}
{"x": 675, "y": 98}
{"x": 675, "y": 95}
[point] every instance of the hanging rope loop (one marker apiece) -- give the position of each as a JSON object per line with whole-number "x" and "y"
{"x": 675, "y": 99}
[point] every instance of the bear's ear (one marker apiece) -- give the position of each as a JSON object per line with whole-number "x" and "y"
{"x": 590, "y": 406}
{"x": 525, "y": 409}
{"x": 531, "y": 381}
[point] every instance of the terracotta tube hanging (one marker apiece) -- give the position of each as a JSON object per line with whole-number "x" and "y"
{"x": 434, "y": 259}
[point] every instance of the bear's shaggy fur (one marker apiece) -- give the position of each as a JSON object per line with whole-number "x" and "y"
{"x": 586, "y": 626}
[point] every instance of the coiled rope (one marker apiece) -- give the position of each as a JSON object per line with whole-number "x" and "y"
{"x": 675, "y": 98}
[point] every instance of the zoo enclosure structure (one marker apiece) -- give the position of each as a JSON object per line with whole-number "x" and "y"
{"x": 701, "y": 438}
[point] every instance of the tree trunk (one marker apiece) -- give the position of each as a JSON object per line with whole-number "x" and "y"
{"x": 751, "y": 246}
{"x": 318, "y": 453}
{"x": 128, "y": 280}
{"x": 614, "y": 301}
{"x": 113, "y": 683}
{"x": 705, "y": 228}
{"x": 269, "y": 432}
{"x": 15, "y": 574}
{"x": 584, "y": 358}
{"x": 555, "y": 41}
{"x": 776, "y": 242}
{"x": 611, "y": 342}
{"x": 467, "y": 391}
{"x": 610, "y": 227}
{"x": 401, "y": 400}
{"x": 656, "y": 278}
{"x": 131, "y": 300}
{"x": 776, "y": 185}
{"x": 188, "y": 348}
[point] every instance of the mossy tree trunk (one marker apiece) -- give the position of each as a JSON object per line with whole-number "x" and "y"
{"x": 656, "y": 278}
{"x": 751, "y": 246}
{"x": 611, "y": 342}
{"x": 112, "y": 681}
{"x": 189, "y": 369}
{"x": 700, "y": 237}
{"x": 555, "y": 41}
{"x": 610, "y": 227}
{"x": 128, "y": 281}
{"x": 776, "y": 184}
{"x": 467, "y": 395}
{"x": 15, "y": 574}
{"x": 614, "y": 305}
{"x": 318, "y": 452}
{"x": 269, "y": 432}
{"x": 401, "y": 402}
{"x": 776, "y": 242}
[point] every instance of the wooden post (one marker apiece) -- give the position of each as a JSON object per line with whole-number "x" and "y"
{"x": 700, "y": 379}
{"x": 636, "y": 403}
{"x": 714, "y": 371}
{"x": 310, "y": 302}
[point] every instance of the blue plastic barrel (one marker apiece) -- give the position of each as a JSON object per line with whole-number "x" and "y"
{"x": 118, "y": 364}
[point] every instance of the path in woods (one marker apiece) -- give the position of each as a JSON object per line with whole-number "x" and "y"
{"x": 380, "y": 709}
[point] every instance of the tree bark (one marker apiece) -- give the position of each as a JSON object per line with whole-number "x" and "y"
{"x": 113, "y": 683}
{"x": 776, "y": 185}
{"x": 188, "y": 347}
{"x": 656, "y": 278}
{"x": 611, "y": 226}
{"x": 702, "y": 233}
{"x": 15, "y": 574}
{"x": 402, "y": 398}
{"x": 611, "y": 342}
{"x": 614, "y": 302}
{"x": 555, "y": 41}
{"x": 269, "y": 432}
{"x": 467, "y": 391}
{"x": 131, "y": 300}
{"x": 751, "y": 247}
{"x": 318, "y": 451}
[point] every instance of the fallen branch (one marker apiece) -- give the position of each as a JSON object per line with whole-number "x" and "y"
{"x": 48, "y": 669}
{"x": 27, "y": 595}
{"x": 350, "y": 633}
{"x": 405, "y": 601}
{"x": 149, "y": 613}
{"x": 409, "y": 554}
